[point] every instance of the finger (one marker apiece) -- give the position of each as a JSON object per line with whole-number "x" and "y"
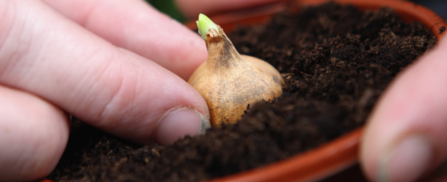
{"x": 405, "y": 135}
{"x": 108, "y": 87}
{"x": 33, "y": 135}
{"x": 192, "y": 8}
{"x": 136, "y": 26}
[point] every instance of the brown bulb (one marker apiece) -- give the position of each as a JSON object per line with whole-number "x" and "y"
{"x": 229, "y": 81}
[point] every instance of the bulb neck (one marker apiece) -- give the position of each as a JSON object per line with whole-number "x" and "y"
{"x": 221, "y": 52}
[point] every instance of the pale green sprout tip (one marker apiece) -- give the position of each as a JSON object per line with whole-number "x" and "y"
{"x": 205, "y": 24}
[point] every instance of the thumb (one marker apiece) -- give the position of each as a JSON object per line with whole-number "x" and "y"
{"x": 405, "y": 135}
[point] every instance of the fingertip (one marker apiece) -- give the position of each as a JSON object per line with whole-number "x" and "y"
{"x": 178, "y": 123}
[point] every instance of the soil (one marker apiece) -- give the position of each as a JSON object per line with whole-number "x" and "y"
{"x": 336, "y": 61}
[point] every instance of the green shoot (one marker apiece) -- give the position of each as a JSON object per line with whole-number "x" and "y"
{"x": 205, "y": 24}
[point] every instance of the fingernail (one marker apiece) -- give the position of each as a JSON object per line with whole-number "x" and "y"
{"x": 407, "y": 161}
{"x": 179, "y": 123}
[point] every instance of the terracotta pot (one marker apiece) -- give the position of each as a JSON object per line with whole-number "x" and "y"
{"x": 342, "y": 152}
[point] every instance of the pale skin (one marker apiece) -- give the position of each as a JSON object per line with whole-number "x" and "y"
{"x": 121, "y": 66}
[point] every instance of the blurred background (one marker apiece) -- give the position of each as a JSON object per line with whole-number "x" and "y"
{"x": 438, "y": 6}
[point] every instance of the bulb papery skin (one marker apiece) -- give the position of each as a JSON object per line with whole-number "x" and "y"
{"x": 229, "y": 81}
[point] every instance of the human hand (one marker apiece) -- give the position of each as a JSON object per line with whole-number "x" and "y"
{"x": 405, "y": 135}
{"x": 117, "y": 65}
{"x": 75, "y": 57}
